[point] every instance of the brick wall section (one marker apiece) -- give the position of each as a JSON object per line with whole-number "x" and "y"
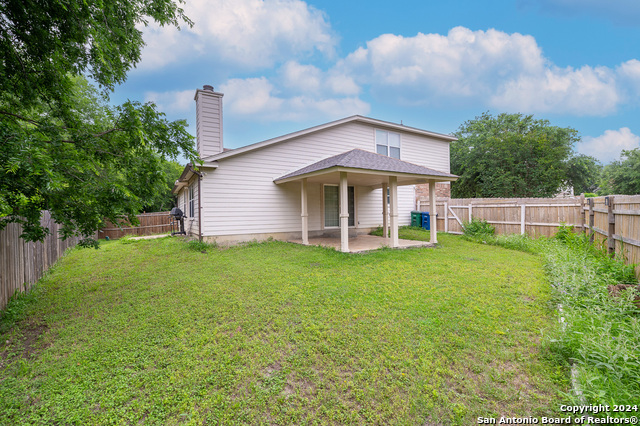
{"x": 443, "y": 190}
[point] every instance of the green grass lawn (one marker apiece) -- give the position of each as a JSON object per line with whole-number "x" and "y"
{"x": 152, "y": 332}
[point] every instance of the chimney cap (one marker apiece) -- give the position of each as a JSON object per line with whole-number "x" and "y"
{"x": 207, "y": 87}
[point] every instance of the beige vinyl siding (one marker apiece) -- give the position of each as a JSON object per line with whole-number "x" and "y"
{"x": 241, "y": 198}
{"x": 182, "y": 201}
{"x": 192, "y": 224}
{"x": 432, "y": 153}
{"x": 209, "y": 123}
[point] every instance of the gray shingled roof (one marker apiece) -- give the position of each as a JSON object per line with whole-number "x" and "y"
{"x": 359, "y": 159}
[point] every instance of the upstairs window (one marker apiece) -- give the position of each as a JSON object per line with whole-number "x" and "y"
{"x": 388, "y": 143}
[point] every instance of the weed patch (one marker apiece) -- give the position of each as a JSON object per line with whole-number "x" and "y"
{"x": 601, "y": 330}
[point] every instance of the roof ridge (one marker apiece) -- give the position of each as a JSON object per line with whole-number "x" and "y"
{"x": 324, "y": 126}
{"x": 347, "y": 155}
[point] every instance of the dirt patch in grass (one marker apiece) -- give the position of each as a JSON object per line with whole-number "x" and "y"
{"x": 24, "y": 342}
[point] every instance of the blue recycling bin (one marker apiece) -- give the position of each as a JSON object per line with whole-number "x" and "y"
{"x": 426, "y": 221}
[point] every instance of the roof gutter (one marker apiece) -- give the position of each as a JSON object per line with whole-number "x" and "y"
{"x": 438, "y": 178}
{"x": 188, "y": 172}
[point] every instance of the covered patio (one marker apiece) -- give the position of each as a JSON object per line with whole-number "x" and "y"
{"x": 364, "y": 168}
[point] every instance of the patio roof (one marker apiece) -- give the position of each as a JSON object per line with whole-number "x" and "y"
{"x": 360, "y": 163}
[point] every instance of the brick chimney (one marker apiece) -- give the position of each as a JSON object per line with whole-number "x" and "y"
{"x": 208, "y": 121}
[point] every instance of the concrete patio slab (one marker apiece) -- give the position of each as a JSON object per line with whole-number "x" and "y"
{"x": 151, "y": 237}
{"x": 363, "y": 243}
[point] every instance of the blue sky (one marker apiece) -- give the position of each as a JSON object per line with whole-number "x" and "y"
{"x": 285, "y": 65}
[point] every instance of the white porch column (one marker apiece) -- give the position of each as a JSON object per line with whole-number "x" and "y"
{"x": 344, "y": 213}
{"x": 305, "y": 212}
{"x": 393, "y": 193}
{"x": 433, "y": 236}
{"x": 385, "y": 212}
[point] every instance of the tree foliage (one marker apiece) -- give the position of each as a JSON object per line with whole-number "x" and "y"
{"x": 514, "y": 155}
{"x": 622, "y": 176}
{"x": 164, "y": 200}
{"x": 64, "y": 148}
{"x": 583, "y": 173}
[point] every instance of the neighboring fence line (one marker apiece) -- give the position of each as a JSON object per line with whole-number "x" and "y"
{"x": 532, "y": 216}
{"x": 150, "y": 224}
{"x": 613, "y": 221}
{"x": 23, "y": 263}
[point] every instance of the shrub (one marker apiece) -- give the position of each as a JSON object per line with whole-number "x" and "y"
{"x": 200, "y": 246}
{"x": 478, "y": 228}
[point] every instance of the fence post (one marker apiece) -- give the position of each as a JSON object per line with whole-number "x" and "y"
{"x": 612, "y": 225}
{"x": 446, "y": 217}
{"x": 522, "y": 216}
{"x": 591, "y": 221}
{"x": 470, "y": 209}
{"x": 582, "y": 218}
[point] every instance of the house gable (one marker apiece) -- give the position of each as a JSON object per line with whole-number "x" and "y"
{"x": 379, "y": 124}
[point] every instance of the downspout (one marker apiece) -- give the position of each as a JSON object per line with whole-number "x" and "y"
{"x": 200, "y": 206}
{"x": 199, "y": 203}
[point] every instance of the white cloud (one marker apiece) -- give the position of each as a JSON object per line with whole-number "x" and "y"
{"x": 607, "y": 147}
{"x": 298, "y": 92}
{"x": 488, "y": 68}
{"x": 434, "y": 67}
{"x": 583, "y": 91}
{"x": 312, "y": 80}
{"x": 629, "y": 76}
{"x": 259, "y": 99}
{"x": 252, "y": 34}
{"x": 303, "y": 78}
{"x": 173, "y": 101}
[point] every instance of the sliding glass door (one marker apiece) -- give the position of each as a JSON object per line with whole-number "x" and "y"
{"x": 332, "y": 206}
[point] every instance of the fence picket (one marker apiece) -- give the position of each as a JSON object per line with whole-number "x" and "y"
{"x": 23, "y": 263}
{"x": 615, "y": 224}
{"x": 150, "y": 223}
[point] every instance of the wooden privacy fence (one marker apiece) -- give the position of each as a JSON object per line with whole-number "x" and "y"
{"x": 150, "y": 224}
{"x": 613, "y": 220}
{"x": 23, "y": 263}
{"x": 532, "y": 216}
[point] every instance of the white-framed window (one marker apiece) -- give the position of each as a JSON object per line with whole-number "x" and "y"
{"x": 388, "y": 143}
{"x": 332, "y": 206}
{"x": 192, "y": 201}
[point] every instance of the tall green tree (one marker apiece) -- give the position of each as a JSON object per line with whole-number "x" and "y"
{"x": 63, "y": 147}
{"x": 583, "y": 173}
{"x": 622, "y": 176}
{"x": 164, "y": 200}
{"x": 510, "y": 155}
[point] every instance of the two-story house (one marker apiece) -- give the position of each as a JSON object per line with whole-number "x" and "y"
{"x": 342, "y": 178}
